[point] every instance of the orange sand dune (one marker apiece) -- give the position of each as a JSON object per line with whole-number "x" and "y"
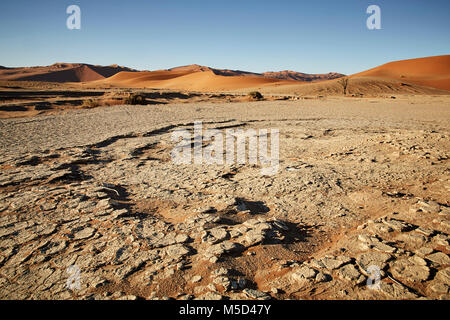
{"x": 61, "y": 72}
{"x": 357, "y": 86}
{"x": 185, "y": 79}
{"x": 431, "y": 71}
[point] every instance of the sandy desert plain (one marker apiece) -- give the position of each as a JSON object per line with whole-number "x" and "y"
{"x": 93, "y": 207}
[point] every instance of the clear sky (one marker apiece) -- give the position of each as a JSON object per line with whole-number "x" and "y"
{"x": 307, "y": 36}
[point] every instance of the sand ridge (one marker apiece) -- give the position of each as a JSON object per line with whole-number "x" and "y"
{"x": 417, "y": 76}
{"x": 414, "y": 76}
{"x": 61, "y": 72}
{"x": 430, "y": 71}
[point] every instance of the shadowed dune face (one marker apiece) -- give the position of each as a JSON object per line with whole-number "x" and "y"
{"x": 281, "y": 75}
{"x": 429, "y": 75}
{"x": 61, "y": 72}
{"x": 431, "y": 71}
{"x": 188, "y": 80}
{"x": 416, "y": 76}
{"x": 292, "y": 75}
{"x": 358, "y": 86}
{"x": 197, "y": 77}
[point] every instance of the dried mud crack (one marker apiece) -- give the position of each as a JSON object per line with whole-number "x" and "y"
{"x": 356, "y": 188}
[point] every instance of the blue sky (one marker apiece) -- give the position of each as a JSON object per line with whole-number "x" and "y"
{"x": 307, "y": 36}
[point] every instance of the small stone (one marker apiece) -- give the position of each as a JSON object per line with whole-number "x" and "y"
{"x": 211, "y": 287}
{"x": 423, "y": 251}
{"x": 222, "y": 248}
{"x": 404, "y": 269}
{"x": 444, "y": 275}
{"x": 54, "y": 247}
{"x": 119, "y": 213}
{"x": 280, "y": 225}
{"x": 220, "y": 272}
{"x": 181, "y": 238}
{"x": 47, "y": 206}
{"x": 425, "y": 231}
{"x": 417, "y": 260}
{"x": 118, "y": 294}
{"x": 196, "y": 279}
{"x": 368, "y": 259}
{"x": 332, "y": 263}
{"x": 441, "y": 239}
{"x": 254, "y": 237}
{"x": 397, "y": 225}
{"x": 439, "y": 287}
{"x": 428, "y": 206}
{"x": 255, "y": 294}
{"x": 84, "y": 234}
{"x": 177, "y": 251}
{"x": 349, "y": 272}
{"x": 223, "y": 281}
{"x": 396, "y": 291}
{"x": 438, "y": 258}
{"x": 445, "y": 223}
{"x": 384, "y": 247}
{"x": 413, "y": 240}
{"x": 304, "y": 273}
{"x": 103, "y": 204}
{"x": 322, "y": 277}
{"x": 215, "y": 235}
{"x": 379, "y": 228}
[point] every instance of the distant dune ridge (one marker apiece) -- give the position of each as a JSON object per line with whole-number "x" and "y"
{"x": 184, "y": 78}
{"x": 431, "y": 71}
{"x": 70, "y": 72}
{"x": 430, "y": 75}
{"x": 422, "y": 75}
{"x": 293, "y": 75}
{"x": 61, "y": 72}
{"x": 281, "y": 75}
{"x": 416, "y": 76}
{"x": 202, "y": 78}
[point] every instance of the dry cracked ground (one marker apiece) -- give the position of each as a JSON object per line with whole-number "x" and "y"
{"x": 362, "y": 184}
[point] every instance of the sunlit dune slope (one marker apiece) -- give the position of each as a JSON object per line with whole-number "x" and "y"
{"x": 187, "y": 80}
{"x": 431, "y": 71}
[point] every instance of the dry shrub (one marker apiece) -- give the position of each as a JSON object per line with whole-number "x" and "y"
{"x": 91, "y": 103}
{"x": 135, "y": 99}
{"x": 255, "y": 95}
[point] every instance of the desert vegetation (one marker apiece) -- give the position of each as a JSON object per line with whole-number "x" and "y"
{"x": 135, "y": 99}
{"x": 91, "y": 103}
{"x": 343, "y": 82}
{"x": 255, "y": 95}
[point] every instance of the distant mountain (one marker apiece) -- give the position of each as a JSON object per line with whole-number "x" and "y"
{"x": 61, "y": 72}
